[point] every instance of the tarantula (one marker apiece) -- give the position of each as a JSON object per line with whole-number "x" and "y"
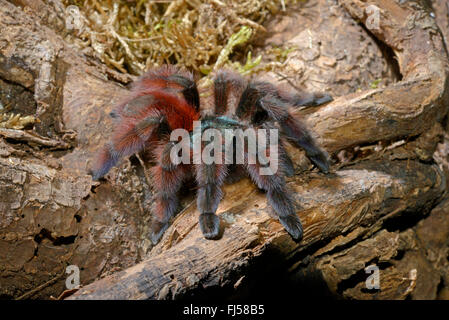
{"x": 167, "y": 98}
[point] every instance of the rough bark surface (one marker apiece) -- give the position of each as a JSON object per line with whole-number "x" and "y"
{"x": 383, "y": 204}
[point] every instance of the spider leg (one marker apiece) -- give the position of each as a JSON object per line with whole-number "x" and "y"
{"x": 130, "y": 136}
{"x": 278, "y": 197}
{"x": 297, "y": 132}
{"x": 170, "y": 78}
{"x": 235, "y": 173}
{"x": 210, "y": 178}
{"x": 228, "y": 86}
{"x": 261, "y": 101}
{"x": 286, "y": 161}
{"x": 189, "y": 90}
{"x": 310, "y": 99}
{"x": 167, "y": 180}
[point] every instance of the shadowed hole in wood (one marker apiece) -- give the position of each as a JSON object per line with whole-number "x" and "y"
{"x": 399, "y": 255}
{"x": 16, "y": 98}
{"x": 46, "y": 234}
{"x": 387, "y": 52}
{"x": 360, "y": 277}
{"x": 278, "y": 283}
{"x": 404, "y": 220}
{"x": 440, "y": 286}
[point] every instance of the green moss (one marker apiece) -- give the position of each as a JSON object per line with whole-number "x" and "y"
{"x": 132, "y": 36}
{"x": 236, "y": 39}
{"x": 375, "y": 83}
{"x": 250, "y": 64}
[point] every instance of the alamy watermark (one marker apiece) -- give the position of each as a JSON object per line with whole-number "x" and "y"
{"x": 251, "y": 146}
{"x": 73, "y": 280}
{"x": 373, "y": 280}
{"x": 373, "y": 17}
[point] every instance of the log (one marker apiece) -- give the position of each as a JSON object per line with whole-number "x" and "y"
{"x": 362, "y": 195}
{"x": 349, "y": 206}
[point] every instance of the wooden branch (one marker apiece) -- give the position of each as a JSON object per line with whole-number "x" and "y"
{"x": 407, "y": 108}
{"x": 331, "y": 205}
{"x": 21, "y": 135}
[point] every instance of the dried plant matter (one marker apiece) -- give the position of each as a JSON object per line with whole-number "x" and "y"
{"x": 133, "y": 35}
{"x": 15, "y": 121}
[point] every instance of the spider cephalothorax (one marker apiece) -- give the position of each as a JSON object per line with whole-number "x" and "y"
{"x": 166, "y": 99}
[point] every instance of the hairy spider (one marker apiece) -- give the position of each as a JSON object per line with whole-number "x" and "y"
{"x": 167, "y": 98}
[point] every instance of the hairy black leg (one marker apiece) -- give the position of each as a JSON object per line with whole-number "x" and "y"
{"x": 220, "y": 92}
{"x": 172, "y": 78}
{"x": 310, "y": 99}
{"x": 282, "y": 204}
{"x": 296, "y": 132}
{"x": 190, "y": 90}
{"x": 128, "y": 138}
{"x": 167, "y": 180}
{"x": 262, "y": 97}
{"x": 278, "y": 197}
{"x": 249, "y": 103}
{"x": 235, "y": 173}
{"x": 210, "y": 178}
{"x": 228, "y": 87}
{"x": 286, "y": 162}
